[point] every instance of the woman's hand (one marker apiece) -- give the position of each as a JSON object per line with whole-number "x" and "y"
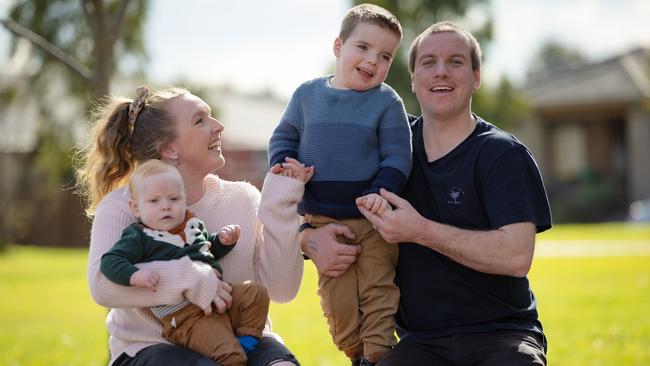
{"x": 222, "y": 299}
{"x": 330, "y": 257}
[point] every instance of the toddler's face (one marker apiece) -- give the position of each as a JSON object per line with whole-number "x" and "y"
{"x": 363, "y": 61}
{"x": 160, "y": 201}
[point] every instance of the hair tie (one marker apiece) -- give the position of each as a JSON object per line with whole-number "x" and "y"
{"x": 137, "y": 104}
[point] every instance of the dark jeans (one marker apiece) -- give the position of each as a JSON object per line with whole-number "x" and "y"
{"x": 497, "y": 348}
{"x": 266, "y": 351}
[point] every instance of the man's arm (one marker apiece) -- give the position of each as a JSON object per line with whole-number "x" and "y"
{"x": 330, "y": 257}
{"x": 507, "y": 250}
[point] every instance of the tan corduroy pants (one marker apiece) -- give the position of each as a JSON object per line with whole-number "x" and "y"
{"x": 214, "y": 336}
{"x": 360, "y": 305}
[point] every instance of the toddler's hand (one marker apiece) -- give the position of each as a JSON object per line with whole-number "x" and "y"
{"x": 294, "y": 169}
{"x": 145, "y": 278}
{"x": 228, "y": 235}
{"x": 373, "y": 203}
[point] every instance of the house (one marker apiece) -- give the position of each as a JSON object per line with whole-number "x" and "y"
{"x": 594, "y": 117}
{"x": 54, "y": 216}
{"x": 248, "y": 123}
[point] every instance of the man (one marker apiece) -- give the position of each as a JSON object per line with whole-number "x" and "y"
{"x": 467, "y": 225}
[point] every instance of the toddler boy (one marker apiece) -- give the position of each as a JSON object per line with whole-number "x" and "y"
{"x": 354, "y": 130}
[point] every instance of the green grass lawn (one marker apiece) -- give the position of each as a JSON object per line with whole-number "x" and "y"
{"x": 594, "y": 309}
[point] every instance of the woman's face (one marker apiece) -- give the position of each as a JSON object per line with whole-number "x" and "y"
{"x": 198, "y": 136}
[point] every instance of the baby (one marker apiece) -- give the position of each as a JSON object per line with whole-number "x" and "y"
{"x": 166, "y": 230}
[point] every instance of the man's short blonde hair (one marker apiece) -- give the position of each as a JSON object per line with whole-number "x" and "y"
{"x": 447, "y": 27}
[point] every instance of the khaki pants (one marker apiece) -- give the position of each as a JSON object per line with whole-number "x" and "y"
{"x": 360, "y": 305}
{"x": 214, "y": 336}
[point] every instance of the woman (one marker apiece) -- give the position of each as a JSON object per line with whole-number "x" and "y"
{"x": 176, "y": 126}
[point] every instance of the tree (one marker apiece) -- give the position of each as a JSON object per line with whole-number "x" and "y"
{"x": 79, "y": 44}
{"x": 504, "y": 105}
{"x": 87, "y": 37}
{"x": 553, "y": 55}
{"x": 417, "y": 15}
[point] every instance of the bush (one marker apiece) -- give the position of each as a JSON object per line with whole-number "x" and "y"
{"x": 588, "y": 198}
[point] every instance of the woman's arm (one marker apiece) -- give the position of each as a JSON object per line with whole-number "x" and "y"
{"x": 179, "y": 279}
{"x": 279, "y": 259}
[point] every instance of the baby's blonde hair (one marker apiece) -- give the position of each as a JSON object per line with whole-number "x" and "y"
{"x": 150, "y": 168}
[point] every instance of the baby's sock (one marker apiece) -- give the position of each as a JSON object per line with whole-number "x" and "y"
{"x": 248, "y": 343}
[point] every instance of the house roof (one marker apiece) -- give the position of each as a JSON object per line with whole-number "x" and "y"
{"x": 624, "y": 78}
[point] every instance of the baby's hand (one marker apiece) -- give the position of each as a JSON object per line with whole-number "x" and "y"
{"x": 294, "y": 169}
{"x": 228, "y": 235}
{"x": 145, "y": 278}
{"x": 373, "y": 203}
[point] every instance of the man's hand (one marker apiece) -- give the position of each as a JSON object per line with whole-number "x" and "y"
{"x": 330, "y": 257}
{"x": 398, "y": 225}
{"x": 145, "y": 278}
{"x": 228, "y": 235}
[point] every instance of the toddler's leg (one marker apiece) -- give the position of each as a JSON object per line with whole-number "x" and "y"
{"x": 339, "y": 300}
{"x": 378, "y": 294}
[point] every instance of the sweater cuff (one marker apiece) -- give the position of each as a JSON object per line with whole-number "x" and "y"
{"x": 280, "y": 189}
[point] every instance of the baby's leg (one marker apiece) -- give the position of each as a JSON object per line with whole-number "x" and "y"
{"x": 250, "y": 309}
{"x": 212, "y": 336}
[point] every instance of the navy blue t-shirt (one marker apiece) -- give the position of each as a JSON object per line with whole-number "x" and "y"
{"x": 488, "y": 181}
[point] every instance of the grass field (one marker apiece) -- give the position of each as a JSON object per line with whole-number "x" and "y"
{"x": 594, "y": 308}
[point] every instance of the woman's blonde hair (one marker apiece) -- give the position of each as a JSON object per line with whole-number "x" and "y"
{"x": 124, "y": 132}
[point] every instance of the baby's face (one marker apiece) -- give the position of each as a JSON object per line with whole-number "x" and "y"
{"x": 160, "y": 201}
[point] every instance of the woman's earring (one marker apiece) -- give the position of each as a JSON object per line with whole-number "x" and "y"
{"x": 173, "y": 156}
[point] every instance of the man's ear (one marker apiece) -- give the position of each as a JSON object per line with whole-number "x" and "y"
{"x": 134, "y": 208}
{"x": 477, "y": 80}
{"x": 338, "y": 43}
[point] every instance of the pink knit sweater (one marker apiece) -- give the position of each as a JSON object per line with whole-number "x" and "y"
{"x": 267, "y": 252}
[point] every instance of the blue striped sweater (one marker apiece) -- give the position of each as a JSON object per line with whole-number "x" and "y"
{"x": 358, "y": 142}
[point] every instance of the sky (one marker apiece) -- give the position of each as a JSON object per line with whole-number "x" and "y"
{"x": 276, "y": 45}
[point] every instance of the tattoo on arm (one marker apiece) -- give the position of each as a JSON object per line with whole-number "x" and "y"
{"x": 312, "y": 245}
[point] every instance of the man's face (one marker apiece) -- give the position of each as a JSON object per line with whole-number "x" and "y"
{"x": 443, "y": 79}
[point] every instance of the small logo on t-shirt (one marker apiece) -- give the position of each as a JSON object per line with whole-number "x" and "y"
{"x": 455, "y": 196}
